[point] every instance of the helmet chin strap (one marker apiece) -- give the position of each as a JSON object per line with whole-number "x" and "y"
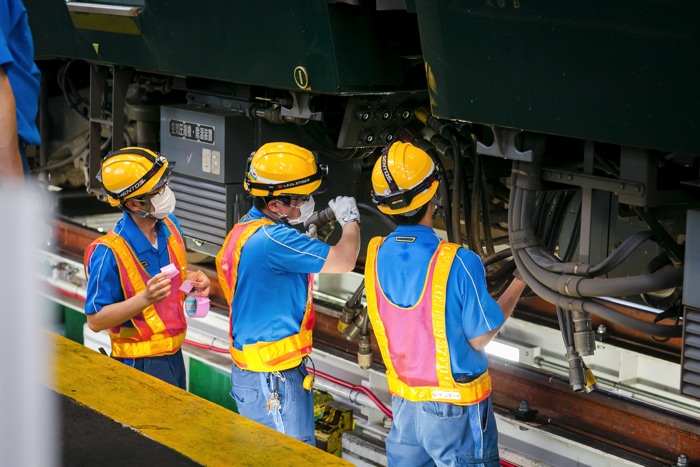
{"x": 140, "y": 213}
{"x": 281, "y": 217}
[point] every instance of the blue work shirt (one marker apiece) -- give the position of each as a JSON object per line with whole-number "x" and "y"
{"x": 104, "y": 285}
{"x": 17, "y": 57}
{"x": 402, "y": 265}
{"x": 270, "y": 297}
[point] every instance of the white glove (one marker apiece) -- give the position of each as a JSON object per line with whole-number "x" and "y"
{"x": 345, "y": 210}
{"x": 312, "y": 231}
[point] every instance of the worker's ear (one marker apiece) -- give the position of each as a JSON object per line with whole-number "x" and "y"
{"x": 132, "y": 205}
{"x": 274, "y": 205}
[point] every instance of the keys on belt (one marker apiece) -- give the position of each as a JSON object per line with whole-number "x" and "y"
{"x": 274, "y": 403}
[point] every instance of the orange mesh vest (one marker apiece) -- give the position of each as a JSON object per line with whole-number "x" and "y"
{"x": 160, "y": 328}
{"x": 413, "y": 340}
{"x": 262, "y": 356}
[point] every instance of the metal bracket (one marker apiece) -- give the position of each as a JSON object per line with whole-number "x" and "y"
{"x": 618, "y": 187}
{"x": 504, "y": 145}
{"x": 99, "y": 76}
{"x": 300, "y": 108}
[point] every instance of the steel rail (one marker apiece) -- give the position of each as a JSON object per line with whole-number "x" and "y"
{"x": 601, "y": 416}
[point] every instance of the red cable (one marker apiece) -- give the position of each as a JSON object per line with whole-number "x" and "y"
{"x": 320, "y": 374}
{"x": 361, "y": 389}
{"x": 508, "y": 464}
{"x": 65, "y": 292}
{"x": 205, "y": 346}
{"x": 333, "y": 379}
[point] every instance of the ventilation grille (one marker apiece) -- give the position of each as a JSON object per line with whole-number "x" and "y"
{"x": 690, "y": 362}
{"x": 201, "y": 209}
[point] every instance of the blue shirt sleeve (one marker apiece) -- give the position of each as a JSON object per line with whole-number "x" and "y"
{"x": 290, "y": 251}
{"x": 480, "y": 312}
{"x": 104, "y": 286}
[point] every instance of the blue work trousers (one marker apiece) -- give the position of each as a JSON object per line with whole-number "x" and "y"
{"x": 251, "y": 391}
{"x": 438, "y": 433}
{"x": 169, "y": 368}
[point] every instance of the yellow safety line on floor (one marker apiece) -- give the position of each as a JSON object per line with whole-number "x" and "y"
{"x": 201, "y": 430}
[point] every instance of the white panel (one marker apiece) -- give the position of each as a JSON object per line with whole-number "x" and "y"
{"x": 29, "y": 420}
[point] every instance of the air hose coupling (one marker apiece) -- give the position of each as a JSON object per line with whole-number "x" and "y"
{"x": 346, "y": 316}
{"x": 364, "y": 351}
{"x": 577, "y": 378}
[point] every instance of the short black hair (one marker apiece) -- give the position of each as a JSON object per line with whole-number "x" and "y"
{"x": 260, "y": 202}
{"x": 413, "y": 219}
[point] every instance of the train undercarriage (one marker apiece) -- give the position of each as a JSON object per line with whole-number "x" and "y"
{"x": 582, "y": 173}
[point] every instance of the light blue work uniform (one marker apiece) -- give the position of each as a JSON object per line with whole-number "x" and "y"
{"x": 104, "y": 288}
{"x": 268, "y": 305}
{"x": 17, "y": 58}
{"x": 439, "y": 433}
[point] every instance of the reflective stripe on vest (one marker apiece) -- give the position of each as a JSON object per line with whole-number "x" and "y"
{"x": 262, "y": 356}
{"x": 418, "y": 364}
{"x": 160, "y": 328}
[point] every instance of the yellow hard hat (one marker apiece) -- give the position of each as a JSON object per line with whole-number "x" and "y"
{"x": 404, "y": 178}
{"x": 278, "y": 169}
{"x": 132, "y": 172}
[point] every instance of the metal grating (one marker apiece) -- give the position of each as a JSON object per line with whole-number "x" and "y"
{"x": 204, "y": 208}
{"x": 690, "y": 361}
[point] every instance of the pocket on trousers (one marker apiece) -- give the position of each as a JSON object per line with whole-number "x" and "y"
{"x": 245, "y": 395}
{"x": 487, "y": 416}
{"x": 245, "y": 386}
{"x": 442, "y": 410}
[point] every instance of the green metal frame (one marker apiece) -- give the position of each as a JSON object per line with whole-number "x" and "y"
{"x": 262, "y": 42}
{"x": 620, "y": 72}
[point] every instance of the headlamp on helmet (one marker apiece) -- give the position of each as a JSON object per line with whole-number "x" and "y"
{"x": 133, "y": 172}
{"x": 284, "y": 169}
{"x": 404, "y": 178}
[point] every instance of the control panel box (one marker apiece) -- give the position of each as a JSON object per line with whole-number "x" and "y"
{"x": 208, "y": 144}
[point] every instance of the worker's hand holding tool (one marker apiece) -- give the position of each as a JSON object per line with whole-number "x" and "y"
{"x": 320, "y": 225}
{"x": 312, "y": 231}
{"x": 345, "y": 210}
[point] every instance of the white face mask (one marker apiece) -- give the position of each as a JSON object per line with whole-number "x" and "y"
{"x": 163, "y": 204}
{"x": 305, "y": 211}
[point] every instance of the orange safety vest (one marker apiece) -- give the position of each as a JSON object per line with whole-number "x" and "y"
{"x": 413, "y": 340}
{"x": 262, "y": 356}
{"x": 160, "y": 328}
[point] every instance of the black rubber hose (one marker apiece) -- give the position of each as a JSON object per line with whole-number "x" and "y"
{"x": 477, "y": 191}
{"x": 561, "y": 216}
{"x": 556, "y": 220}
{"x": 456, "y": 189}
{"x": 496, "y": 257}
{"x": 575, "y": 235}
{"x": 553, "y": 264}
{"x": 514, "y": 213}
{"x": 621, "y": 253}
{"x": 373, "y": 211}
{"x": 443, "y": 188}
{"x": 564, "y": 326}
{"x": 616, "y": 287}
{"x": 486, "y": 215}
{"x": 522, "y": 220}
{"x": 674, "y": 250}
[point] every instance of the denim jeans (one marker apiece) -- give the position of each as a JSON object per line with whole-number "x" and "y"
{"x": 250, "y": 390}
{"x": 169, "y": 368}
{"x": 438, "y": 433}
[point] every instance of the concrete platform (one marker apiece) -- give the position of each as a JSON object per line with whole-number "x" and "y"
{"x": 115, "y": 415}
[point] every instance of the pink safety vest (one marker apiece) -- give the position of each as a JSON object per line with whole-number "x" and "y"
{"x": 160, "y": 328}
{"x": 413, "y": 340}
{"x": 262, "y": 356}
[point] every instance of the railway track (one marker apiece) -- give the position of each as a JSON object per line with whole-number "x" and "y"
{"x": 626, "y": 427}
